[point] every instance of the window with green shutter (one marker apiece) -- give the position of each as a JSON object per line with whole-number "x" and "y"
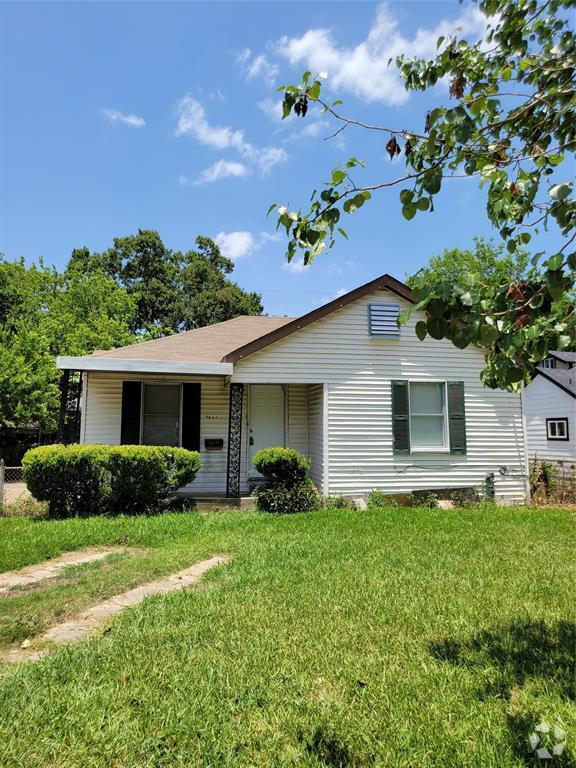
{"x": 428, "y": 416}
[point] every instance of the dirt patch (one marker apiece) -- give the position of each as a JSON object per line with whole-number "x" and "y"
{"x": 51, "y": 568}
{"x": 89, "y": 621}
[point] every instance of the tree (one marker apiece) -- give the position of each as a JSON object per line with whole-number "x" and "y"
{"x": 44, "y": 314}
{"x": 511, "y": 124}
{"x": 173, "y": 291}
{"x": 488, "y": 260}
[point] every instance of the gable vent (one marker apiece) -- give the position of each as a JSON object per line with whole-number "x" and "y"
{"x": 383, "y": 320}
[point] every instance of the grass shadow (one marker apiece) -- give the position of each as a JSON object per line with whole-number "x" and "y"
{"x": 520, "y": 651}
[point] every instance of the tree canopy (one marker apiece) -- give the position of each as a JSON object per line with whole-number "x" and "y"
{"x": 44, "y": 314}
{"x": 173, "y": 291}
{"x": 135, "y": 290}
{"x": 511, "y": 124}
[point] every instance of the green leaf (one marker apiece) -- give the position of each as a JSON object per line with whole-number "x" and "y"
{"x": 421, "y": 330}
{"x": 338, "y": 176}
{"x": 344, "y": 235}
{"x": 423, "y": 204}
{"x": 409, "y": 211}
{"x": 436, "y": 327}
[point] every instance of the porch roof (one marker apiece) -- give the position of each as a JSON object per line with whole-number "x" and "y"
{"x": 198, "y": 351}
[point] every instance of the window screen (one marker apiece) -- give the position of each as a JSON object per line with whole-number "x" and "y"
{"x": 428, "y": 415}
{"x": 161, "y": 414}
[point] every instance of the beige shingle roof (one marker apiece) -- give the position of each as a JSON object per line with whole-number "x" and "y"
{"x": 209, "y": 344}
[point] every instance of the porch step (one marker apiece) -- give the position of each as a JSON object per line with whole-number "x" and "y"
{"x": 208, "y": 503}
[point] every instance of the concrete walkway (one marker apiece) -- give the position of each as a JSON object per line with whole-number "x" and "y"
{"x": 89, "y": 621}
{"x": 51, "y": 568}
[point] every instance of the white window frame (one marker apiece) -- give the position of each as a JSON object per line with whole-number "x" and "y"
{"x": 445, "y": 447}
{"x": 549, "y": 362}
{"x": 164, "y": 384}
{"x": 558, "y": 420}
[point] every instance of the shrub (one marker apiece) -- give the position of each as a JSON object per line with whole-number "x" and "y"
{"x": 287, "y": 487}
{"x": 339, "y": 502}
{"x": 284, "y": 466}
{"x": 73, "y": 479}
{"x": 380, "y": 500}
{"x": 280, "y": 500}
{"x": 81, "y": 480}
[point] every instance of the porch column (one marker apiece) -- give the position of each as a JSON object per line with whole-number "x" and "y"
{"x": 234, "y": 440}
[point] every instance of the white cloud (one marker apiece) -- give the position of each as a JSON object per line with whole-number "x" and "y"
{"x": 234, "y": 245}
{"x": 117, "y": 117}
{"x": 340, "y": 292}
{"x": 257, "y": 66}
{"x": 272, "y": 108}
{"x": 363, "y": 70}
{"x": 296, "y": 265}
{"x": 222, "y": 169}
{"x": 192, "y": 121}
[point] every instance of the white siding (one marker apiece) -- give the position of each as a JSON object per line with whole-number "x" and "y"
{"x": 297, "y": 419}
{"x": 339, "y": 351}
{"x": 316, "y": 434}
{"x": 544, "y": 400}
{"x": 102, "y": 418}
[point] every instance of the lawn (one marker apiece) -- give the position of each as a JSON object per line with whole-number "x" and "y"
{"x": 393, "y": 637}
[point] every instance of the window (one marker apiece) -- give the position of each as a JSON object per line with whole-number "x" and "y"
{"x": 161, "y": 414}
{"x": 550, "y": 362}
{"x": 428, "y": 428}
{"x": 383, "y": 320}
{"x": 557, "y": 429}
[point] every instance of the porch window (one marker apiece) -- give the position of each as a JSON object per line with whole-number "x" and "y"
{"x": 161, "y": 414}
{"x": 428, "y": 428}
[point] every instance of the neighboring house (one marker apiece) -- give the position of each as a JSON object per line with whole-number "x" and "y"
{"x": 370, "y": 405}
{"x": 550, "y": 409}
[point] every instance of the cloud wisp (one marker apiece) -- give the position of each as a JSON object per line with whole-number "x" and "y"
{"x": 257, "y": 66}
{"x": 235, "y": 245}
{"x": 114, "y": 116}
{"x": 192, "y": 121}
{"x": 363, "y": 69}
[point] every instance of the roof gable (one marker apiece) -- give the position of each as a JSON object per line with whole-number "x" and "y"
{"x": 385, "y": 282}
{"x": 564, "y": 378}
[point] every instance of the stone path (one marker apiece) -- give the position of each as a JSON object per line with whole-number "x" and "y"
{"x": 51, "y": 568}
{"x": 89, "y": 621}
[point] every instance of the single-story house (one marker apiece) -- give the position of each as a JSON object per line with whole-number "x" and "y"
{"x": 370, "y": 405}
{"x": 550, "y": 409}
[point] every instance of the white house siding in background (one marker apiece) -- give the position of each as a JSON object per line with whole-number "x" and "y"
{"x": 102, "y": 420}
{"x": 357, "y": 370}
{"x": 316, "y": 433}
{"x": 544, "y": 400}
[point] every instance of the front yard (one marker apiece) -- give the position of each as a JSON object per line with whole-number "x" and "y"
{"x": 395, "y": 637}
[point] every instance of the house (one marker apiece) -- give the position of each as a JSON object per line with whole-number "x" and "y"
{"x": 370, "y": 405}
{"x": 550, "y": 409}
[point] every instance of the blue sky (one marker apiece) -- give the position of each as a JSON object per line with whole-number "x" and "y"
{"x": 163, "y": 116}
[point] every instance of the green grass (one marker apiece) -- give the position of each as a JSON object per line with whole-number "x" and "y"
{"x": 395, "y": 637}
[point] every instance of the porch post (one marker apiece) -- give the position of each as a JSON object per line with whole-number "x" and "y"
{"x": 234, "y": 440}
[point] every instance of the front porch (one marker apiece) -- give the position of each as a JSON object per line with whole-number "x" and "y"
{"x": 266, "y": 415}
{"x": 226, "y": 422}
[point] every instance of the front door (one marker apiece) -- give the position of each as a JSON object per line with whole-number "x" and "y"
{"x": 267, "y": 426}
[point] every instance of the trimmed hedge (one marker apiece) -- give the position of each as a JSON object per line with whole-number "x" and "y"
{"x": 286, "y": 488}
{"x": 83, "y": 480}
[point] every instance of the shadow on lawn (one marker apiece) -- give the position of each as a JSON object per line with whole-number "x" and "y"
{"x": 519, "y": 652}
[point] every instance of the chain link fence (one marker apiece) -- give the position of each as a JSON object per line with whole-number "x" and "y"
{"x": 12, "y": 485}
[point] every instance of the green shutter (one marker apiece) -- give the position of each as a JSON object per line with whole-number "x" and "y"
{"x": 131, "y": 403}
{"x": 456, "y": 417}
{"x": 400, "y": 417}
